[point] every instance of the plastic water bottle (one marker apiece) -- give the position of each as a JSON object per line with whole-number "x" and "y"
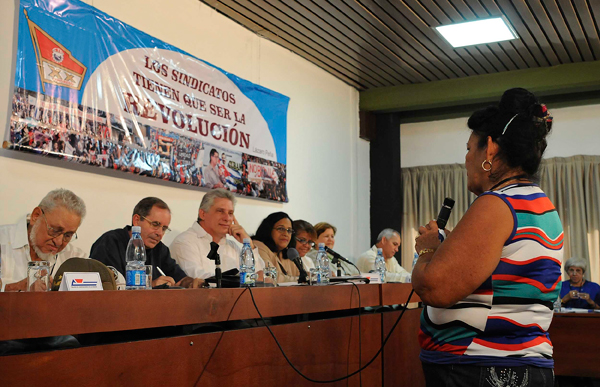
{"x": 415, "y": 259}
{"x": 380, "y": 265}
{"x": 247, "y": 265}
{"x": 322, "y": 265}
{"x": 135, "y": 259}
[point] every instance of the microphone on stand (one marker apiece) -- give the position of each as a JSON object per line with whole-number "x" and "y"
{"x": 292, "y": 255}
{"x": 338, "y": 263}
{"x": 443, "y": 216}
{"x": 338, "y": 256}
{"x": 214, "y": 256}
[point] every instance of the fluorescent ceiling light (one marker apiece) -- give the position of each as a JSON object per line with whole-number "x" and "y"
{"x": 477, "y": 32}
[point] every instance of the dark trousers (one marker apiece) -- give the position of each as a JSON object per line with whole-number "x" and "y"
{"x": 456, "y": 375}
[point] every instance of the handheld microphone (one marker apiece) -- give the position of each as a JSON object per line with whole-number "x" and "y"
{"x": 443, "y": 216}
{"x": 292, "y": 254}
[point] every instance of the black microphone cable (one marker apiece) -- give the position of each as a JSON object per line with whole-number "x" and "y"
{"x": 343, "y": 377}
{"x": 220, "y": 338}
{"x": 359, "y": 335}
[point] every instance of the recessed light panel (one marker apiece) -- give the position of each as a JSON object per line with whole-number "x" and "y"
{"x": 477, "y": 32}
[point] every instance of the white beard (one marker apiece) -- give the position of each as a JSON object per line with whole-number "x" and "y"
{"x": 41, "y": 255}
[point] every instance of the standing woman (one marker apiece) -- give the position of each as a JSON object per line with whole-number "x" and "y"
{"x": 489, "y": 288}
{"x": 272, "y": 239}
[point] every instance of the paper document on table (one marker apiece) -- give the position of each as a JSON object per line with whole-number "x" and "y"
{"x": 574, "y": 310}
{"x": 293, "y": 283}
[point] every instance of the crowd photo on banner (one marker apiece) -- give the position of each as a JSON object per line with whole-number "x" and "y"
{"x": 56, "y": 128}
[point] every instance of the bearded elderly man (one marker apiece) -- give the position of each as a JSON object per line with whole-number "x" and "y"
{"x": 153, "y": 216}
{"x": 389, "y": 241}
{"x": 215, "y": 222}
{"x": 44, "y": 235}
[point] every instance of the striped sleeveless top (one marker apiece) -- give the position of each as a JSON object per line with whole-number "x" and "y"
{"x": 505, "y": 321}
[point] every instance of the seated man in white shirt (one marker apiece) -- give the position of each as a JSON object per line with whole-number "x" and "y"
{"x": 44, "y": 235}
{"x": 389, "y": 241}
{"x": 215, "y": 221}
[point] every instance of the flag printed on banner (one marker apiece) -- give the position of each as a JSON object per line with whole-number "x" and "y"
{"x": 56, "y": 64}
{"x": 90, "y": 89}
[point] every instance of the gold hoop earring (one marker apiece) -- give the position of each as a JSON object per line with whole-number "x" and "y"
{"x": 483, "y": 165}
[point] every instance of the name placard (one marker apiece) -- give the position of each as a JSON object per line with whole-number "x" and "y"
{"x": 80, "y": 281}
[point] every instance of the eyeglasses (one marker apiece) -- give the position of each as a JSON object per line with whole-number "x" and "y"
{"x": 54, "y": 233}
{"x": 283, "y": 230}
{"x": 156, "y": 225}
{"x": 303, "y": 241}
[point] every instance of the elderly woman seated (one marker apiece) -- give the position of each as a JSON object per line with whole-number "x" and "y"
{"x": 326, "y": 234}
{"x": 577, "y": 292}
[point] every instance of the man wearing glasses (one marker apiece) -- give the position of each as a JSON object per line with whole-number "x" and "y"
{"x": 215, "y": 221}
{"x": 44, "y": 235}
{"x": 153, "y": 216}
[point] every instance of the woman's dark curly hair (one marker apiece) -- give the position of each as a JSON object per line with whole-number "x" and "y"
{"x": 519, "y": 124}
{"x": 263, "y": 233}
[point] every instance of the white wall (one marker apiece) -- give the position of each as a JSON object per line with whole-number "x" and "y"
{"x": 328, "y": 170}
{"x": 575, "y": 132}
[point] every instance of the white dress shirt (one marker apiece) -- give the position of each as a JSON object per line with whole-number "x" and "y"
{"x": 211, "y": 176}
{"x": 14, "y": 243}
{"x": 191, "y": 247}
{"x": 395, "y": 272}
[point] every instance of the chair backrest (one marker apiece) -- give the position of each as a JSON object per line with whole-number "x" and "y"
{"x": 85, "y": 265}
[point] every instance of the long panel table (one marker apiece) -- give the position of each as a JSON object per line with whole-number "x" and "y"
{"x": 215, "y": 337}
{"x": 317, "y": 327}
{"x": 576, "y": 341}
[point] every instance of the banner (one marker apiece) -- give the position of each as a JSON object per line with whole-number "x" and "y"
{"x": 90, "y": 89}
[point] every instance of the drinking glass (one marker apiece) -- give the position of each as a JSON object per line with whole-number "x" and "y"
{"x": 270, "y": 274}
{"x": 38, "y": 276}
{"x": 148, "y": 276}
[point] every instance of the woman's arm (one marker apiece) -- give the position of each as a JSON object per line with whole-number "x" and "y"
{"x": 266, "y": 254}
{"x": 467, "y": 257}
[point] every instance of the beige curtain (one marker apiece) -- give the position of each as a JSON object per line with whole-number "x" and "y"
{"x": 424, "y": 191}
{"x": 572, "y": 183}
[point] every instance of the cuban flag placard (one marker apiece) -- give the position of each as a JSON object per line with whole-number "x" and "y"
{"x": 80, "y": 282}
{"x": 93, "y": 90}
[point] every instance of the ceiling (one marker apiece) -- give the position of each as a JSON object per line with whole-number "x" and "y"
{"x": 377, "y": 43}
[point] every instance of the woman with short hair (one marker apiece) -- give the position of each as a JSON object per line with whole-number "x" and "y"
{"x": 326, "y": 234}
{"x": 577, "y": 292}
{"x": 305, "y": 241}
